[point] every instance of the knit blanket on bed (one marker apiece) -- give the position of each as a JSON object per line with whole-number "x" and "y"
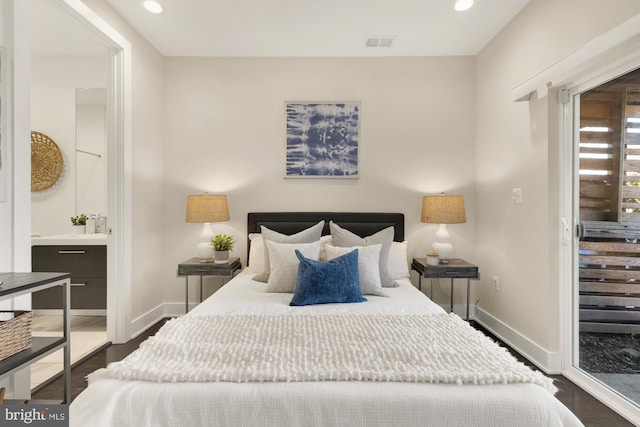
{"x": 437, "y": 348}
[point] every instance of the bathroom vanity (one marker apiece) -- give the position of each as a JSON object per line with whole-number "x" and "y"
{"x": 82, "y": 255}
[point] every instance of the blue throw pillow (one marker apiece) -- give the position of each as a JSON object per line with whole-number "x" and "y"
{"x": 336, "y": 281}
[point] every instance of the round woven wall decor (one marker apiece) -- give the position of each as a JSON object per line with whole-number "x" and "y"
{"x": 46, "y": 162}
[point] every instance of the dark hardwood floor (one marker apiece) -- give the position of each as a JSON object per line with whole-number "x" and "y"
{"x": 588, "y": 409}
{"x": 113, "y": 353}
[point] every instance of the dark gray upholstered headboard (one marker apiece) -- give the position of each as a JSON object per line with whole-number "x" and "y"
{"x": 361, "y": 223}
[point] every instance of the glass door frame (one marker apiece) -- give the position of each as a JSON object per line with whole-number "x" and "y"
{"x": 569, "y": 101}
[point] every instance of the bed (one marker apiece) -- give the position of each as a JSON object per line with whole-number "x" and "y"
{"x": 246, "y": 357}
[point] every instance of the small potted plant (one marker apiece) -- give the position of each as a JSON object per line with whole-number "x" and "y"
{"x": 79, "y": 223}
{"x": 222, "y": 244}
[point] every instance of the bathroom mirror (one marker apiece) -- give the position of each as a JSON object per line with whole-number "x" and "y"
{"x": 91, "y": 152}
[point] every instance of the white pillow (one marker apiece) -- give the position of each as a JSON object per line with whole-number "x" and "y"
{"x": 398, "y": 262}
{"x": 308, "y": 235}
{"x": 284, "y": 263}
{"x": 368, "y": 266}
{"x": 256, "y": 251}
{"x": 324, "y": 241}
{"x": 344, "y": 237}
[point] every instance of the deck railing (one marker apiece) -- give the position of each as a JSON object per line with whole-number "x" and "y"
{"x": 609, "y": 277}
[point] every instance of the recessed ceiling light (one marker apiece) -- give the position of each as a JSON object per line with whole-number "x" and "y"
{"x": 462, "y": 5}
{"x": 152, "y": 6}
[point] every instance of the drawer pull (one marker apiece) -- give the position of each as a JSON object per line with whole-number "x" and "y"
{"x": 72, "y": 252}
{"x": 78, "y": 284}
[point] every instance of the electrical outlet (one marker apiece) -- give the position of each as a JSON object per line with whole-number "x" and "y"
{"x": 496, "y": 283}
{"x": 516, "y": 196}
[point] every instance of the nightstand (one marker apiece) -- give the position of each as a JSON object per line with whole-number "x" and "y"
{"x": 193, "y": 267}
{"x": 455, "y": 269}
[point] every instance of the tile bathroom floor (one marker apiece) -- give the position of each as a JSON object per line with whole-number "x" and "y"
{"x": 88, "y": 333}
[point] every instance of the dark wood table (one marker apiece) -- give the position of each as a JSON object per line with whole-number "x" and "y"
{"x": 456, "y": 268}
{"x": 194, "y": 267}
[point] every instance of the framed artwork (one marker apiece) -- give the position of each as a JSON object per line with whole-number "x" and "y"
{"x": 4, "y": 162}
{"x": 322, "y": 139}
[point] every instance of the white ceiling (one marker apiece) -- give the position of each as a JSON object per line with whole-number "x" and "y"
{"x": 317, "y": 28}
{"x": 55, "y": 31}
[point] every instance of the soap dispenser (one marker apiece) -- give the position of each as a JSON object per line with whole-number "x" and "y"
{"x": 91, "y": 225}
{"x": 101, "y": 224}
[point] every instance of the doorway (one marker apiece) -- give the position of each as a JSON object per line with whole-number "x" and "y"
{"x": 68, "y": 64}
{"x": 117, "y": 66}
{"x": 606, "y": 290}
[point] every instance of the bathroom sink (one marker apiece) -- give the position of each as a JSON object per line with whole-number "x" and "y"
{"x": 70, "y": 239}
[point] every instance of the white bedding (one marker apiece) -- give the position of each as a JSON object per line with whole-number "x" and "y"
{"x": 112, "y": 402}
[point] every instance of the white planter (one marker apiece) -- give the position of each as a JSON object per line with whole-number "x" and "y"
{"x": 221, "y": 257}
{"x": 78, "y": 229}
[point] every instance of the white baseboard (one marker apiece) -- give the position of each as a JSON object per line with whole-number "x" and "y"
{"x": 144, "y": 322}
{"x": 153, "y": 316}
{"x": 460, "y": 310}
{"x": 176, "y": 309}
{"x": 549, "y": 362}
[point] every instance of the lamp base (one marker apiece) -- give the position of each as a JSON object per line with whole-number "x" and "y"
{"x": 205, "y": 251}
{"x": 204, "y": 248}
{"x": 442, "y": 245}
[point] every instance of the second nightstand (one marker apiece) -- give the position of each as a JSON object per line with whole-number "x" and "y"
{"x": 193, "y": 267}
{"x": 456, "y": 268}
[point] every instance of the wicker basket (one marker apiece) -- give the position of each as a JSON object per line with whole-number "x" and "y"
{"x": 15, "y": 334}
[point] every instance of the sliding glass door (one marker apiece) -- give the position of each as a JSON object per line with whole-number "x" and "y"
{"x": 607, "y": 195}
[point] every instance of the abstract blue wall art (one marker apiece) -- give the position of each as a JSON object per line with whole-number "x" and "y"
{"x": 322, "y": 139}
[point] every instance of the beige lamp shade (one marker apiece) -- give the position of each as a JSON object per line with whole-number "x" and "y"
{"x": 207, "y": 208}
{"x": 443, "y": 209}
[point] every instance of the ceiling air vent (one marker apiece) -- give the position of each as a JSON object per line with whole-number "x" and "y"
{"x": 379, "y": 41}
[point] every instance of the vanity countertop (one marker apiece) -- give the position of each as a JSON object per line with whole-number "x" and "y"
{"x": 70, "y": 239}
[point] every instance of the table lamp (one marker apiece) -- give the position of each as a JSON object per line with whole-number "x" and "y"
{"x": 443, "y": 210}
{"x": 206, "y": 208}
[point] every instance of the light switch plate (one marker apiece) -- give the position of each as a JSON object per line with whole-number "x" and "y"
{"x": 516, "y": 196}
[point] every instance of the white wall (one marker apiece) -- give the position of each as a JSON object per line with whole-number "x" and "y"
{"x": 225, "y": 127}
{"x": 515, "y": 142}
{"x": 54, "y": 80}
{"x": 147, "y": 163}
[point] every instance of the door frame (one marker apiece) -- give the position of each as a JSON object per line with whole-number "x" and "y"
{"x": 118, "y": 170}
{"x": 569, "y": 215}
